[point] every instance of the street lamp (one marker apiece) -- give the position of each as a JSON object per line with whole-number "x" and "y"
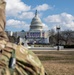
{"x": 58, "y": 29}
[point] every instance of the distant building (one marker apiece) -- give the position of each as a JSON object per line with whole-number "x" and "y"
{"x": 9, "y": 33}
{"x": 36, "y": 33}
{"x": 20, "y": 34}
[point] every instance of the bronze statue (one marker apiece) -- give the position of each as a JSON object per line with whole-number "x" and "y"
{"x": 16, "y": 59}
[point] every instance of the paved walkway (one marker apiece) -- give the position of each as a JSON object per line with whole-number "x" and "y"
{"x": 48, "y": 49}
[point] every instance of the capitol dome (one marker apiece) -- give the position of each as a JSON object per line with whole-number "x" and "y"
{"x": 36, "y": 23}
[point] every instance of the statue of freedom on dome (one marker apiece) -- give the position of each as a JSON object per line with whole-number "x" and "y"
{"x": 16, "y": 59}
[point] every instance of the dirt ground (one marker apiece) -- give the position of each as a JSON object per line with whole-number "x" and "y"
{"x": 57, "y": 62}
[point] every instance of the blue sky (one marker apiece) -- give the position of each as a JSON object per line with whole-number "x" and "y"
{"x": 19, "y": 14}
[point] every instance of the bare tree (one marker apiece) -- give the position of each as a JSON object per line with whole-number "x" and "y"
{"x": 67, "y": 36}
{"x": 52, "y": 32}
{"x": 52, "y": 37}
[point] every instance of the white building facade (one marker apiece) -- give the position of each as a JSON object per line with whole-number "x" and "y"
{"x": 35, "y": 34}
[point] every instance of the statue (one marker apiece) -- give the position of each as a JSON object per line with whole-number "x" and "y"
{"x": 16, "y": 59}
{"x": 2, "y": 21}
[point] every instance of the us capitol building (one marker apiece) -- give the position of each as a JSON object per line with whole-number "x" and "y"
{"x": 36, "y": 34}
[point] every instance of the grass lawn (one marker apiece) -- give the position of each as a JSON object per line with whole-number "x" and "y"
{"x": 57, "y": 62}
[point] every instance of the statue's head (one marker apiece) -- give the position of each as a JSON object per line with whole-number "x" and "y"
{"x": 2, "y": 4}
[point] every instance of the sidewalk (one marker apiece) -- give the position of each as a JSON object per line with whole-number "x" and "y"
{"x": 52, "y": 50}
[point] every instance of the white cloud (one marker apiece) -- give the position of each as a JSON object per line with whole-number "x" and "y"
{"x": 17, "y": 24}
{"x": 26, "y": 15}
{"x": 43, "y": 7}
{"x": 45, "y": 27}
{"x": 16, "y": 9}
{"x": 16, "y": 6}
{"x": 65, "y": 20}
